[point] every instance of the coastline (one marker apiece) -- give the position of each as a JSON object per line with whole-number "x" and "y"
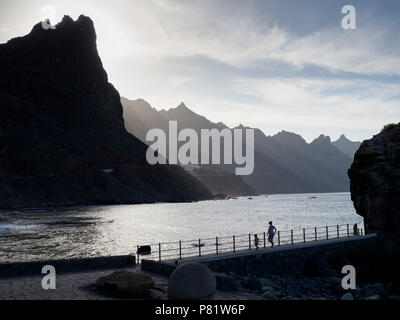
{"x": 38, "y": 207}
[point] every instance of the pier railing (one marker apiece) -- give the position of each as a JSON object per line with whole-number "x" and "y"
{"x": 179, "y": 250}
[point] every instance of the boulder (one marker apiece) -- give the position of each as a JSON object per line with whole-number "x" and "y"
{"x": 269, "y": 293}
{"x": 332, "y": 281}
{"x": 253, "y": 284}
{"x": 225, "y": 282}
{"x": 123, "y": 284}
{"x": 347, "y": 296}
{"x": 192, "y": 281}
{"x": 373, "y": 289}
{"x": 375, "y": 297}
{"x": 266, "y": 282}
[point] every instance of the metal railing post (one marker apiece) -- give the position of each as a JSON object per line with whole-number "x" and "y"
{"x": 265, "y": 242}
{"x": 137, "y": 253}
{"x": 316, "y": 234}
{"x": 249, "y": 241}
{"x": 180, "y": 249}
{"x": 159, "y": 251}
{"x": 234, "y": 244}
{"x": 199, "y": 247}
{"x": 291, "y": 235}
{"x": 216, "y": 244}
{"x": 304, "y": 235}
{"x": 338, "y": 231}
{"x": 279, "y": 238}
{"x": 327, "y": 233}
{"x": 348, "y": 230}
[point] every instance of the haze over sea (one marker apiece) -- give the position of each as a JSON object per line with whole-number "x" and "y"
{"x": 114, "y": 230}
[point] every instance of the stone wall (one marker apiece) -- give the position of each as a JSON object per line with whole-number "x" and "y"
{"x": 67, "y": 265}
{"x": 325, "y": 258}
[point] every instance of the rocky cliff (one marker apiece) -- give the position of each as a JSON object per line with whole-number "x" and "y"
{"x": 375, "y": 185}
{"x": 62, "y": 134}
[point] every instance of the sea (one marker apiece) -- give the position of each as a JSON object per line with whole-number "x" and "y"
{"x": 78, "y": 232}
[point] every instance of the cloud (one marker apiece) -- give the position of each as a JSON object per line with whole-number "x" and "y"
{"x": 269, "y": 64}
{"x": 233, "y": 35}
{"x": 326, "y": 103}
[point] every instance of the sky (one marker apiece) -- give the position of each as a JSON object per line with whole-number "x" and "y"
{"x": 270, "y": 64}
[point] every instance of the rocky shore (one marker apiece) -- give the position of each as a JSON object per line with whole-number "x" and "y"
{"x": 312, "y": 288}
{"x": 231, "y": 287}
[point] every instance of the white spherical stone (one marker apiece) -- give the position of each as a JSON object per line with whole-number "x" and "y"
{"x": 192, "y": 281}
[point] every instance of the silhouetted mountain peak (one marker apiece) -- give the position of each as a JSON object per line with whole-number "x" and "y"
{"x": 322, "y": 139}
{"x": 138, "y": 102}
{"x": 180, "y": 109}
{"x": 83, "y": 25}
{"x": 346, "y": 146}
{"x": 61, "y": 111}
{"x": 183, "y": 106}
{"x": 289, "y": 138}
{"x": 222, "y": 125}
{"x": 343, "y": 138}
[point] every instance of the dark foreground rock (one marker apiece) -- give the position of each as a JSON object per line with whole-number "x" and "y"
{"x": 62, "y": 135}
{"x": 126, "y": 285}
{"x": 375, "y": 191}
{"x": 252, "y": 284}
{"x": 376, "y": 289}
{"x": 225, "y": 282}
{"x": 375, "y": 184}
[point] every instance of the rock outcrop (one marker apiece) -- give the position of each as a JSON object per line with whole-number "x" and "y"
{"x": 375, "y": 191}
{"x": 62, "y": 135}
{"x": 375, "y": 185}
{"x": 126, "y": 285}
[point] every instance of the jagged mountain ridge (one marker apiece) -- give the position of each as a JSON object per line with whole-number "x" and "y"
{"x": 140, "y": 117}
{"x": 61, "y": 126}
{"x": 346, "y": 146}
{"x": 284, "y": 163}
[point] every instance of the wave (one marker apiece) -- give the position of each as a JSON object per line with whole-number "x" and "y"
{"x": 4, "y": 227}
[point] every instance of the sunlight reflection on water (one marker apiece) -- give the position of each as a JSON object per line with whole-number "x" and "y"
{"x": 113, "y": 230}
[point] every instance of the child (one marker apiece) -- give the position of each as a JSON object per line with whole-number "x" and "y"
{"x": 256, "y": 241}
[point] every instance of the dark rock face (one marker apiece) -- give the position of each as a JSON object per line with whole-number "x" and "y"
{"x": 61, "y": 126}
{"x": 375, "y": 185}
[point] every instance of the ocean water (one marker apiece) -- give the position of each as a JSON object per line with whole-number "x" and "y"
{"x": 113, "y": 230}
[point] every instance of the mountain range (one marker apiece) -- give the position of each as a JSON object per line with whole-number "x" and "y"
{"x": 284, "y": 163}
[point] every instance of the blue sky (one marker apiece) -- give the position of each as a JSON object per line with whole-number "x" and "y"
{"x": 275, "y": 65}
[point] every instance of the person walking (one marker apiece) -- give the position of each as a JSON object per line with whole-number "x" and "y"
{"x": 271, "y": 233}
